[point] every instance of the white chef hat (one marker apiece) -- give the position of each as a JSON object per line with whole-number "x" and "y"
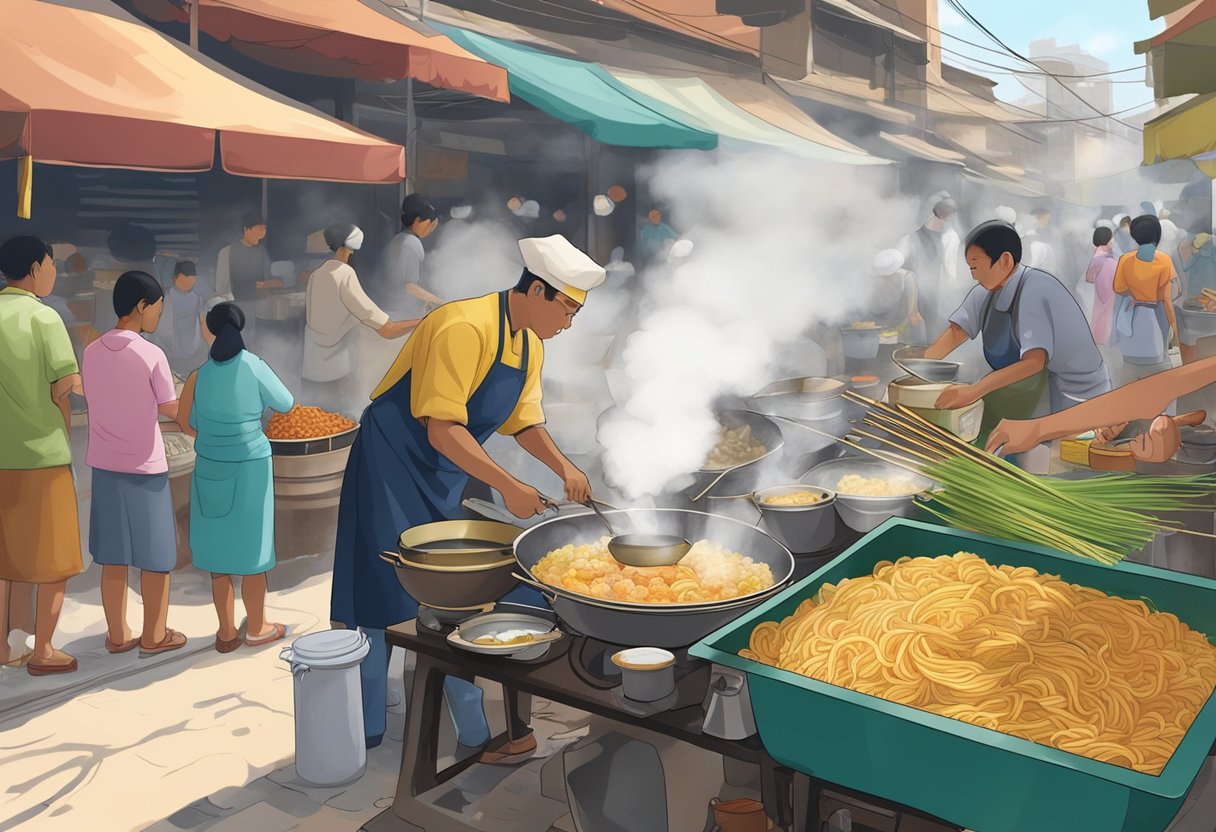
{"x": 888, "y": 262}
{"x": 530, "y": 210}
{"x": 462, "y": 212}
{"x": 681, "y": 248}
{"x": 602, "y": 205}
{"x": 563, "y": 266}
{"x": 344, "y": 234}
{"x": 1006, "y": 214}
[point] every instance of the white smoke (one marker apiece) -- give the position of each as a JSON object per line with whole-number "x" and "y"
{"x": 780, "y": 247}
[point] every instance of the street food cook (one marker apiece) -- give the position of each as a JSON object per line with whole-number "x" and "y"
{"x": 305, "y": 422}
{"x": 1008, "y": 649}
{"x": 736, "y": 446}
{"x": 471, "y": 369}
{"x": 707, "y": 573}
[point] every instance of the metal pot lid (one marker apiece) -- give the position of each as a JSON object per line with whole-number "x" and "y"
{"x": 329, "y": 648}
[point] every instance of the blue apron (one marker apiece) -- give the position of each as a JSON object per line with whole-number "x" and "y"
{"x": 1001, "y": 349}
{"x": 396, "y": 480}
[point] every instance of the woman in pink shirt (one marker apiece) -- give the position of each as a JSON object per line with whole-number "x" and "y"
{"x": 128, "y": 384}
{"x": 1101, "y": 273}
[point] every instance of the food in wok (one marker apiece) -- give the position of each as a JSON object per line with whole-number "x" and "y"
{"x": 736, "y": 446}
{"x": 707, "y": 573}
{"x": 796, "y": 498}
{"x": 856, "y": 485}
{"x": 304, "y": 422}
{"x": 1006, "y": 648}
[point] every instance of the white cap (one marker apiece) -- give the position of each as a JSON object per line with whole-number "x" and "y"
{"x": 1006, "y": 214}
{"x": 462, "y": 212}
{"x": 681, "y": 248}
{"x": 602, "y": 205}
{"x": 355, "y": 241}
{"x": 888, "y": 262}
{"x": 530, "y": 210}
{"x": 563, "y": 266}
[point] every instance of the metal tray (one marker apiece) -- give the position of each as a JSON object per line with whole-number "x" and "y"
{"x": 968, "y": 775}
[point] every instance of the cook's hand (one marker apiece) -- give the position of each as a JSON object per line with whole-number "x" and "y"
{"x": 1160, "y": 443}
{"x": 578, "y": 487}
{"x": 1104, "y": 436}
{"x": 954, "y": 397}
{"x": 1018, "y": 436}
{"x": 524, "y": 501}
{"x": 916, "y": 320}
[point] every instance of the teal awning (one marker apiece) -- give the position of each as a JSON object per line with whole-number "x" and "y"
{"x": 584, "y": 95}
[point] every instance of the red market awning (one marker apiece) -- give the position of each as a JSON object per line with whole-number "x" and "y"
{"x": 1203, "y": 12}
{"x": 83, "y": 83}
{"x": 341, "y": 39}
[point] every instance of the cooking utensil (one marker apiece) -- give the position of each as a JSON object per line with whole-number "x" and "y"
{"x": 647, "y": 673}
{"x": 742, "y": 477}
{"x": 627, "y": 623}
{"x": 801, "y": 529}
{"x": 642, "y": 549}
{"x": 455, "y": 564}
{"x": 926, "y": 369}
{"x": 466, "y": 634}
{"x": 862, "y": 513}
{"x": 729, "y": 715}
{"x": 811, "y": 397}
{"x": 948, "y": 766}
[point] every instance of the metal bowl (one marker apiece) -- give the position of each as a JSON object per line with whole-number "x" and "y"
{"x": 805, "y": 529}
{"x": 929, "y": 369}
{"x": 861, "y": 513}
{"x": 455, "y": 564}
{"x": 812, "y": 397}
{"x": 319, "y": 445}
{"x": 464, "y": 637}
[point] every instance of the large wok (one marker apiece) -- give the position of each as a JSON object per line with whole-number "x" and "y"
{"x": 652, "y": 625}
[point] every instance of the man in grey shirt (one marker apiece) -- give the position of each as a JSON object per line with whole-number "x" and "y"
{"x": 243, "y": 268}
{"x": 1032, "y": 330}
{"x": 401, "y": 284}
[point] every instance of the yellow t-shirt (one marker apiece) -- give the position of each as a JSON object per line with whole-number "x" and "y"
{"x": 1144, "y": 281}
{"x": 450, "y": 354}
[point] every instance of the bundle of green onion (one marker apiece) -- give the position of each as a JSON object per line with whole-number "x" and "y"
{"x": 1105, "y": 517}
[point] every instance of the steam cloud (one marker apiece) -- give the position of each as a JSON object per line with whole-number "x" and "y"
{"x": 779, "y": 249}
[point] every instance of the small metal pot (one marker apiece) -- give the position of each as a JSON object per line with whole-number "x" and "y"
{"x": 860, "y": 513}
{"x": 455, "y": 564}
{"x": 861, "y": 343}
{"x": 805, "y": 529}
{"x": 647, "y": 673}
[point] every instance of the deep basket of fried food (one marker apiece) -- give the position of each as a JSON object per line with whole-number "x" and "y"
{"x": 307, "y": 430}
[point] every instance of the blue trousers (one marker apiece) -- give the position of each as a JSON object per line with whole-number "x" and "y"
{"x": 463, "y": 698}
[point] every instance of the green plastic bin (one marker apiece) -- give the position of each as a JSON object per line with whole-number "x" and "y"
{"x": 971, "y": 776}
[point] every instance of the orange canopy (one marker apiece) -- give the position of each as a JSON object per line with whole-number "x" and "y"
{"x": 694, "y": 18}
{"x": 83, "y": 83}
{"x": 342, "y": 39}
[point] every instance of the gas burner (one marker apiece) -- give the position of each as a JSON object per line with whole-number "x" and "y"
{"x": 444, "y": 621}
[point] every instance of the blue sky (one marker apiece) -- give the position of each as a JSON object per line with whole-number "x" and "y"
{"x": 1106, "y": 28}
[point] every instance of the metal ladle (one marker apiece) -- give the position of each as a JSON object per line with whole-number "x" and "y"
{"x": 642, "y": 549}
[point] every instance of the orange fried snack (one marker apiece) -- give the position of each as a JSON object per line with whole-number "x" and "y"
{"x": 303, "y": 422}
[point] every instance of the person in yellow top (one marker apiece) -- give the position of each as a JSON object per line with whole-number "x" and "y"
{"x": 470, "y": 369}
{"x": 1146, "y": 319}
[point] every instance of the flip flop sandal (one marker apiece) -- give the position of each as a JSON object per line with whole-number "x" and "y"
{"x": 129, "y": 644}
{"x": 173, "y": 640}
{"x": 503, "y": 758}
{"x": 278, "y": 632}
{"x": 41, "y": 667}
{"x": 222, "y": 646}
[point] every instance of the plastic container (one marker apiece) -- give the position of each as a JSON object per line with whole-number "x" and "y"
{"x": 330, "y": 746}
{"x": 962, "y": 773}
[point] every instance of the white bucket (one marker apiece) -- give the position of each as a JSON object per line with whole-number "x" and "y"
{"x": 330, "y": 746}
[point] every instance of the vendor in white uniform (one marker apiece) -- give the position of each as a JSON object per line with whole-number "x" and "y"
{"x": 335, "y": 305}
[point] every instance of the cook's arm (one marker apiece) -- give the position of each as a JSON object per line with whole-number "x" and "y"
{"x": 422, "y": 294}
{"x": 454, "y": 441}
{"x": 537, "y": 441}
{"x": 1031, "y": 363}
{"x": 1143, "y": 399}
{"x": 1167, "y": 298}
{"x": 950, "y": 340}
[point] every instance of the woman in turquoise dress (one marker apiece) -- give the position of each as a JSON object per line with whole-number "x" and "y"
{"x": 232, "y": 490}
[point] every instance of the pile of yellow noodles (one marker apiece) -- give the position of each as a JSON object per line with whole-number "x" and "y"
{"x": 1008, "y": 649}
